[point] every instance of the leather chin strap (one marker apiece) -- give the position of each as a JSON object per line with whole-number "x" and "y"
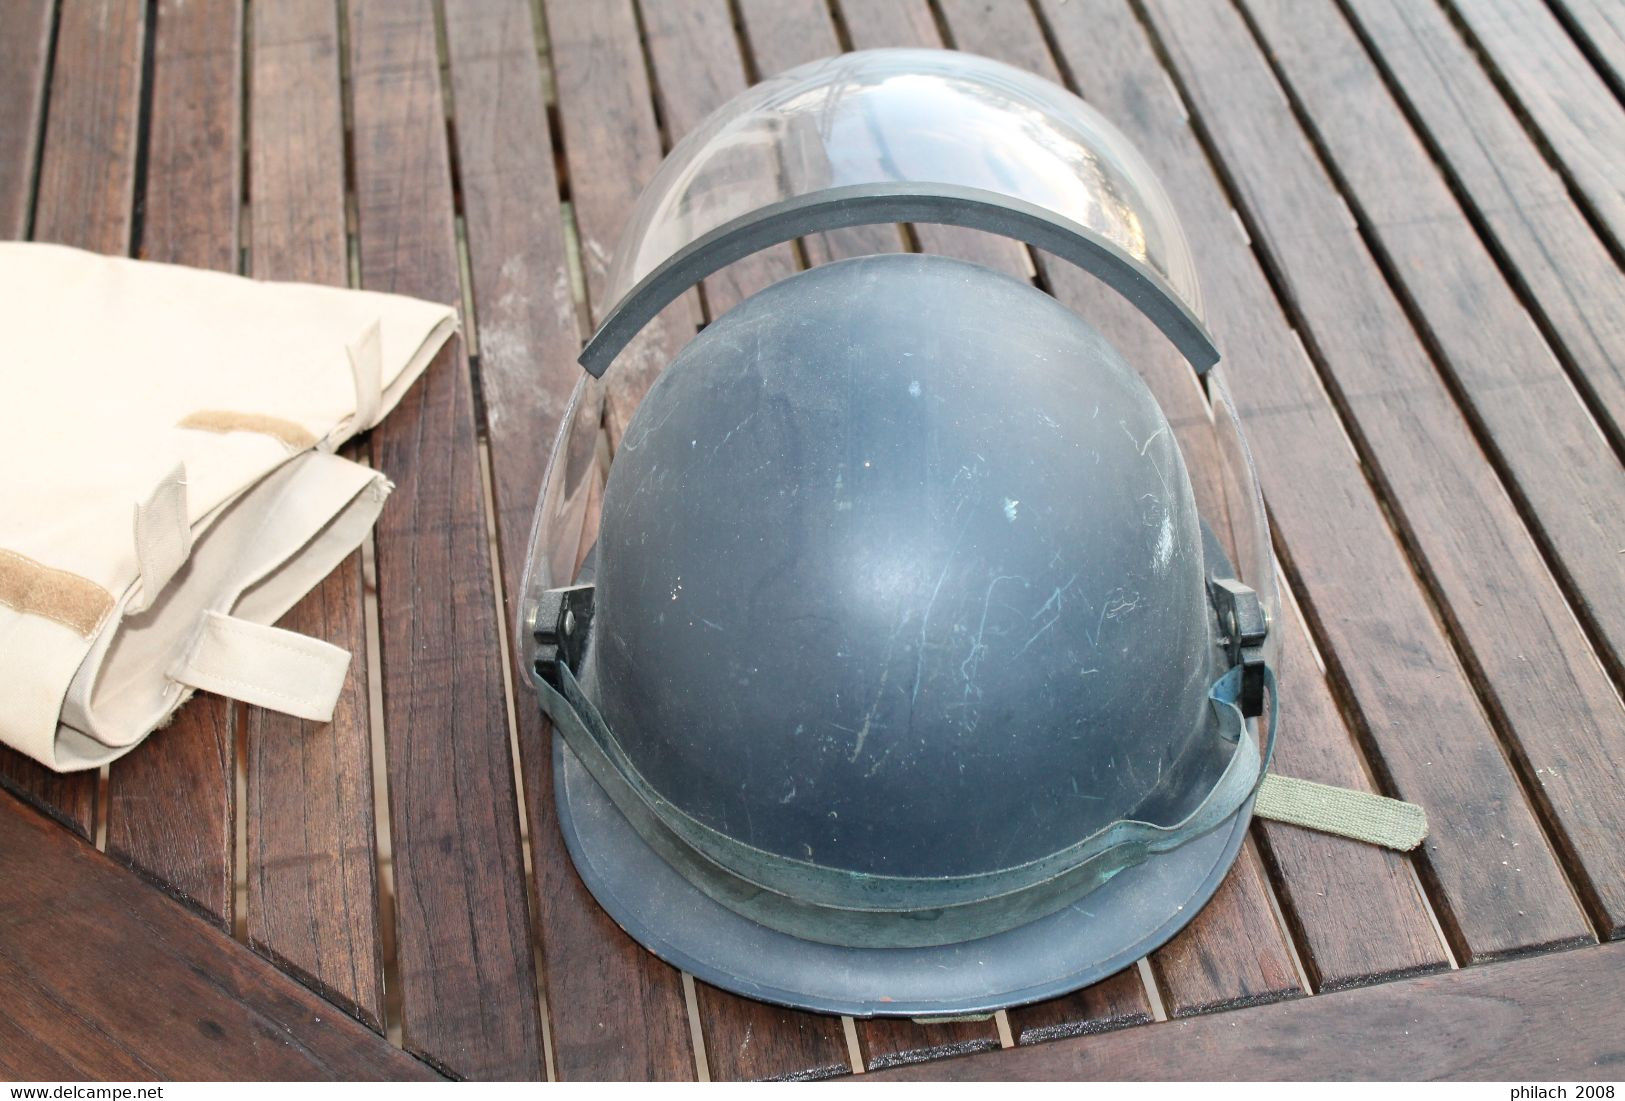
{"x": 831, "y": 905}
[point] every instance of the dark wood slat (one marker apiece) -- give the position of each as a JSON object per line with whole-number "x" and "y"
{"x": 786, "y": 33}
{"x": 1562, "y": 705}
{"x": 1599, "y": 26}
{"x": 1563, "y": 469}
{"x": 1561, "y": 94}
{"x": 296, "y": 144}
{"x": 104, "y": 978}
{"x": 169, "y": 802}
{"x": 1112, "y": 1003}
{"x": 614, "y": 1009}
{"x": 312, "y": 872}
{"x": 169, "y": 807}
{"x": 897, "y": 1041}
{"x": 617, "y": 1011}
{"x": 1394, "y": 667}
{"x": 1233, "y": 952}
{"x": 1571, "y": 281}
{"x": 87, "y": 172}
{"x": 1544, "y": 680}
{"x": 194, "y": 135}
{"x": 1355, "y": 910}
{"x": 751, "y": 1041}
{"x": 697, "y": 68}
{"x": 612, "y": 147}
{"x": 84, "y": 198}
{"x": 462, "y": 925}
{"x": 25, "y": 52}
{"x": 1552, "y": 1017}
{"x": 69, "y": 797}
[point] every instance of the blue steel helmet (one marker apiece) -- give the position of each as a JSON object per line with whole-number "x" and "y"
{"x": 916, "y": 664}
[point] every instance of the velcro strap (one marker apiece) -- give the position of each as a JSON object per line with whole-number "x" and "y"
{"x": 163, "y": 537}
{"x": 1360, "y": 815}
{"x": 267, "y": 666}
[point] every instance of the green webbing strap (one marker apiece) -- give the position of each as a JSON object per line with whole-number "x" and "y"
{"x": 1360, "y": 815}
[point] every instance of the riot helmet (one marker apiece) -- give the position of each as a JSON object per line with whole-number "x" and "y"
{"x": 904, "y": 657}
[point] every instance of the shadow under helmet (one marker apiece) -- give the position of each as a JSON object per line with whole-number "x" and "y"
{"x": 917, "y": 664}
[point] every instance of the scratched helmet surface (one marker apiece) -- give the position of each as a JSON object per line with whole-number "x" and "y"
{"x": 906, "y": 669}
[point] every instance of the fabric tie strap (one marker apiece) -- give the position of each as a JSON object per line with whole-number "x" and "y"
{"x": 1346, "y": 812}
{"x": 163, "y": 537}
{"x": 266, "y": 666}
{"x": 367, "y": 369}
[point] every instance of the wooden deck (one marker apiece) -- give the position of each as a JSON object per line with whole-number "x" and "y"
{"x": 1409, "y": 217}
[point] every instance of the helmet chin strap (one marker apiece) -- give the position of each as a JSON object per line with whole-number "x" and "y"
{"x": 1345, "y": 812}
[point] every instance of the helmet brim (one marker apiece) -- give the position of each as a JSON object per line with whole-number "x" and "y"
{"x": 1136, "y": 912}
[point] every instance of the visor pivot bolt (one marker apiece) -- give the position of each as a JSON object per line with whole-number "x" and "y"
{"x": 560, "y": 628}
{"x": 1241, "y": 618}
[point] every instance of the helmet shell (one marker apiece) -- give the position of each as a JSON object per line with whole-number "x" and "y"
{"x": 900, "y": 573}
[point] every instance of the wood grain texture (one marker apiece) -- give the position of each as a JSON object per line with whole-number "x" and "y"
{"x": 296, "y": 144}
{"x": 87, "y": 170}
{"x": 1548, "y": 76}
{"x": 617, "y": 1011}
{"x": 747, "y": 1041}
{"x": 1562, "y": 706}
{"x": 106, "y": 979}
{"x": 1115, "y": 1002}
{"x": 697, "y": 68}
{"x": 1565, "y": 271}
{"x": 25, "y": 53}
{"x": 69, "y": 797}
{"x": 169, "y": 802}
{"x": 1543, "y": 680}
{"x": 84, "y": 198}
{"x": 462, "y": 923}
{"x": 312, "y": 872}
{"x": 194, "y": 135}
{"x": 612, "y": 147}
{"x": 1562, "y": 469}
{"x": 1355, "y": 910}
{"x": 1233, "y": 952}
{"x": 1394, "y": 668}
{"x": 1553, "y": 1017}
{"x": 612, "y": 1005}
{"x": 1599, "y": 27}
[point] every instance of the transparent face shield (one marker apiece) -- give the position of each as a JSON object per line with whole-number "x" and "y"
{"x": 889, "y": 136}
{"x": 914, "y": 137}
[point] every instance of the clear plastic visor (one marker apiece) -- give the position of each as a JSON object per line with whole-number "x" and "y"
{"x": 899, "y": 116}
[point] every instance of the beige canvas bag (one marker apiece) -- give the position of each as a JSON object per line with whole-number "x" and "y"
{"x": 168, "y": 486}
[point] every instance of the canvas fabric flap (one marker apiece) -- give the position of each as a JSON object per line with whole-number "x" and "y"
{"x": 170, "y": 490}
